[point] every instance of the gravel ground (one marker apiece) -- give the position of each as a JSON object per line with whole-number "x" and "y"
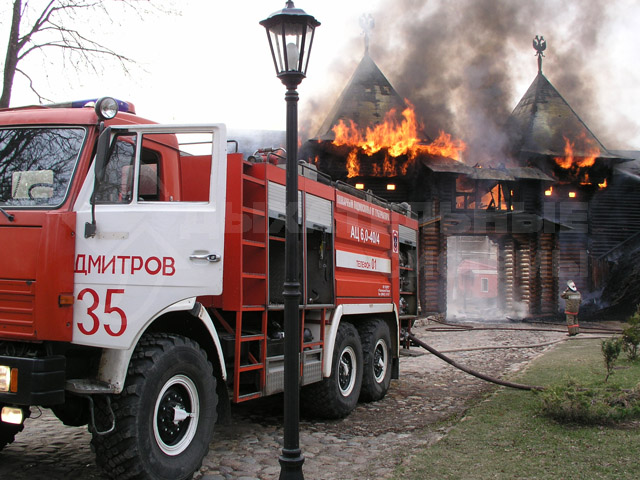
{"x": 368, "y": 444}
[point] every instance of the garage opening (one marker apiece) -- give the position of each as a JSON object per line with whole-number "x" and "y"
{"x": 472, "y": 278}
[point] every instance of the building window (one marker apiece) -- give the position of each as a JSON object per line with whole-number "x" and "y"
{"x": 484, "y": 285}
{"x": 465, "y": 193}
{"x": 494, "y": 197}
{"x": 490, "y": 195}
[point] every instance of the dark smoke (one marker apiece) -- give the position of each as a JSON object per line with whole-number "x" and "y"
{"x": 460, "y": 61}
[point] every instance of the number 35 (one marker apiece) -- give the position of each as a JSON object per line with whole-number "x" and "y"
{"x": 94, "y": 324}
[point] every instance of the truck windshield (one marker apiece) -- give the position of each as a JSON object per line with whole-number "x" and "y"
{"x": 36, "y": 165}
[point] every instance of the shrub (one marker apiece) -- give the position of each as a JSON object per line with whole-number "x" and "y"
{"x": 571, "y": 403}
{"x": 631, "y": 336}
{"x": 611, "y": 348}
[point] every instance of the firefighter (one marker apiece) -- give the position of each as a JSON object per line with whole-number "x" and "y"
{"x": 572, "y": 305}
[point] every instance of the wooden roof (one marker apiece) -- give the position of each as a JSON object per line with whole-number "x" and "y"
{"x": 366, "y": 100}
{"x": 542, "y": 119}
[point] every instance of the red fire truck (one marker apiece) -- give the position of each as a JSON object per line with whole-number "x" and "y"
{"x": 141, "y": 280}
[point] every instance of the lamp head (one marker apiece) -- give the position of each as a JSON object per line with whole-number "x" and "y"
{"x": 290, "y": 32}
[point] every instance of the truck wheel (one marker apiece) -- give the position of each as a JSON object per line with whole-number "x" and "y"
{"x": 165, "y": 415}
{"x": 376, "y": 354}
{"x": 8, "y": 431}
{"x": 337, "y": 395}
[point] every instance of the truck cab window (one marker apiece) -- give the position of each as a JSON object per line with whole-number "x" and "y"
{"x": 175, "y": 167}
{"x": 148, "y": 181}
{"x": 116, "y": 187}
{"x": 168, "y": 168}
{"x": 36, "y": 165}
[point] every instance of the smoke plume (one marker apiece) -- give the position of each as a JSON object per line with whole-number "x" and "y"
{"x": 465, "y": 64}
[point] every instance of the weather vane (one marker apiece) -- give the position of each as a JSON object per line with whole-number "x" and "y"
{"x": 367, "y": 23}
{"x": 540, "y": 45}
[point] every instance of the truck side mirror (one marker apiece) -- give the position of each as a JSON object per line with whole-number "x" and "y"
{"x": 102, "y": 157}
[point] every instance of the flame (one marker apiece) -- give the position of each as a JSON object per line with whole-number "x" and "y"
{"x": 494, "y": 199}
{"x": 444, "y": 146}
{"x": 576, "y": 167}
{"x": 570, "y": 161}
{"x": 353, "y": 167}
{"x": 396, "y": 138}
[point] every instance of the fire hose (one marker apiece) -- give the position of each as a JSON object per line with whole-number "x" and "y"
{"x": 452, "y": 327}
{"x": 479, "y": 375}
{"x": 503, "y": 347}
{"x": 448, "y": 327}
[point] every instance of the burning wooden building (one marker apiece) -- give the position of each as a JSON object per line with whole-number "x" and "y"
{"x": 535, "y": 208}
{"x": 587, "y": 195}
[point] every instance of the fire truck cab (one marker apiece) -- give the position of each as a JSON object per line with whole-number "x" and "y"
{"x": 141, "y": 280}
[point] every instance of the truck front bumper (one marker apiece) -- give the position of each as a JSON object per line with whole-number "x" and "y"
{"x": 32, "y": 381}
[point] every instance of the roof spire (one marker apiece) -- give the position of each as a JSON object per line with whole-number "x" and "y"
{"x": 540, "y": 44}
{"x": 366, "y": 23}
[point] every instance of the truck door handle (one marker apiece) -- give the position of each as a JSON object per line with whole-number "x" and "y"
{"x": 209, "y": 257}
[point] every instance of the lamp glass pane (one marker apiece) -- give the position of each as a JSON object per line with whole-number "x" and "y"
{"x": 275, "y": 39}
{"x": 294, "y": 33}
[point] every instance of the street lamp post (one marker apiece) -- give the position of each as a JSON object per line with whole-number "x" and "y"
{"x": 290, "y": 32}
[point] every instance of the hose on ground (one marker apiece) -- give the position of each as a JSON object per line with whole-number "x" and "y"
{"x": 503, "y": 347}
{"x": 479, "y": 375}
{"x": 452, "y": 327}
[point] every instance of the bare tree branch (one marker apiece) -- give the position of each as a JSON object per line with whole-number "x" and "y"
{"x": 74, "y": 40}
{"x": 51, "y": 29}
{"x": 40, "y": 97}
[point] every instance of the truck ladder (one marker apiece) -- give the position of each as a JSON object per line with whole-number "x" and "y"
{"x": 253, "y": 246}
{"x": 253, "y": 367}
{"x": 246, "y": 359}
{"x": 251, "y": 342}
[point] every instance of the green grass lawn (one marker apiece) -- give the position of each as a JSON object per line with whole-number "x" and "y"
{"x": 507, "y": 436}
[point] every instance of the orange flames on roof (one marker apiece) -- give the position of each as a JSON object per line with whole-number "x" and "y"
{"x": 570, "y": 161}
{"x": 579, "y": 156}
{"x": 396, "y": 138}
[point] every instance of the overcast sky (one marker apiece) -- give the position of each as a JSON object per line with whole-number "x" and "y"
{"x": 212, "y": 62}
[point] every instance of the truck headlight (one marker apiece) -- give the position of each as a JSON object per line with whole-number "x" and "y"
{"x": 12, "y": 415}
{"x": 5, "y": 378}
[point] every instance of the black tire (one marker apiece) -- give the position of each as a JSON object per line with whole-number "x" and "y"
{"x": 8, "y": 431}
{"x": 337, "y": 395}
{"x": 376, "y": 355}
{"x": 169, "y": 376}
